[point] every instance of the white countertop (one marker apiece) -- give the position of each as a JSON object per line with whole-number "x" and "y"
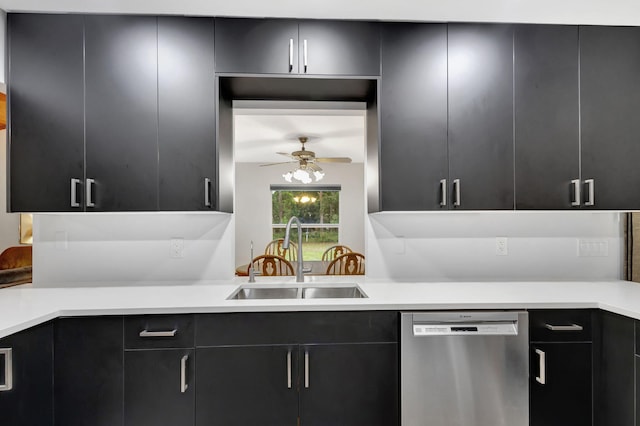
{"x": 24, "y": 306}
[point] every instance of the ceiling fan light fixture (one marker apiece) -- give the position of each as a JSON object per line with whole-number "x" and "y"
{"x": 303, "y": 175}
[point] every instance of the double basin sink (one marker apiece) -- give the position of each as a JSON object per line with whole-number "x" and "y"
{"x": 297, "y": 291}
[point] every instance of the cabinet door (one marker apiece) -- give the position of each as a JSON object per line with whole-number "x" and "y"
{"x": 565, "y": 397}
{"x": 30, "y": 401}
{"x": 88, "y": 371}
{"x": 480, "y": 60}
{"x": 547, "y": 146}
{"x": 186, "y": 113}
{"x": 349, "y": 384}
{"x": 339, "y": 48}
{"x": 159, "y": 388}
{"x": 413, "y": 113}
{"x": 46, "y": 88}
{"x": 610, "y": 99}
{"x": 247, "y": 385}
{"x": 121, "y": 62}
{"x": 256, "y": 46}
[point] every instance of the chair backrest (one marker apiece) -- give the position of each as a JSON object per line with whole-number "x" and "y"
{"x": 275, "y": 248}
{"x": 335, "y": 251}
{"x": 269, "y": 265}
{"x": 16, "y": 257}
{"x": 347, "y": 264}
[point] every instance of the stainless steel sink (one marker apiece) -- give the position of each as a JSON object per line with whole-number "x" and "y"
{"x": 315, "y": 291}
{"x": 347, "y": 292}
{"x": 265, "y": 293}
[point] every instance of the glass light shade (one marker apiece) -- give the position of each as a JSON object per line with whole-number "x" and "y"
{"x": 303, "y": 175}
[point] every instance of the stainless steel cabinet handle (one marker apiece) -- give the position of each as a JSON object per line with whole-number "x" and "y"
{"x": 305, "y": 55}
{"x": 8, "y": 369}
{"x": 289, "y": 369}
{"x": 576, "y": 192}
{"x": 306, "y": 370}
{"x": 183, "y": 374}
{"x": 542, "y": 366}
{"x": 290, "y": 55}
{"x": 443, "y": 192}
{"x": 89, "y": 185}
{"x": 591, "y": 197}
{"x": 207, "y": 192}
{"x": 74, "y": 192}
{"x": 168, "y": 333}
{"x": 456, "y": 193}
{"x": 572, "y": 327}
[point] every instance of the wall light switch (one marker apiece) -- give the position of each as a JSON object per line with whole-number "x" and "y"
{"x": 593, "y": 248}
{"x": 502, "y": 246}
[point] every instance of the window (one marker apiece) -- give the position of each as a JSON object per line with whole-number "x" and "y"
{"x": 318, "y": 208}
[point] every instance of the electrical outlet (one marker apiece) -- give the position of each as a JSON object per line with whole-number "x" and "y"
{"x": 176, "y": 248}
{"x": 593, "y": 248}
{"x": 62, "y": 241}
{"x": 502, "y": 246}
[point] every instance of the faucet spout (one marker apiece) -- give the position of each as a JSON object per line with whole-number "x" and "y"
{"x": 285, "y": 245}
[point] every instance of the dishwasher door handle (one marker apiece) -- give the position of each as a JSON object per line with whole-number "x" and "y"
{"x": 542, "y": 367}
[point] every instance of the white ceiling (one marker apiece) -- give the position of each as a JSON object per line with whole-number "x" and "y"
{"x": 260, "y": 133}
{"x": 606, "y": 12}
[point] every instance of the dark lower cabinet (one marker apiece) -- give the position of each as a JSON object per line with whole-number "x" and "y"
{"x": 247, "y": 385}
{"x": 88, "y": 372}
{"x": 28, "y": 357}
{"x": 159, "y": 387}
{"x": 349, "y": 384}
{"x": 565, "y": 397}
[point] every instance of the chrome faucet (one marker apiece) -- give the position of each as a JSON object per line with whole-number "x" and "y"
{"x": 285, "y": 245}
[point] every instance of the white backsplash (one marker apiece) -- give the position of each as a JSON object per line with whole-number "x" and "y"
{"x": 119, "y": 249}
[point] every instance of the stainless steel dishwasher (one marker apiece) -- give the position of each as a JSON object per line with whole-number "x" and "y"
{"x": 464, "y": 368}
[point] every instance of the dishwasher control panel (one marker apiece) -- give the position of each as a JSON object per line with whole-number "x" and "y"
{"x": 509, "y": 328}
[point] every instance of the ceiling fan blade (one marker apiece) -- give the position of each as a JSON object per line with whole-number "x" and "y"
{"x": 275, "y": 164}
{"x": 286, "y": 154}
{"x": 314, "y": 167}
{"x": 333, "y": 159}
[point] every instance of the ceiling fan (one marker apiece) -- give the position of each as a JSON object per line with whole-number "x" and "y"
{"x": 307, "y": 168}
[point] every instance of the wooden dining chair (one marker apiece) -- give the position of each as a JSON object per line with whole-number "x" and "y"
{"x": 347, "y": 264}
{"x": 335, "y": 251}
{"x": 275, "y": 248}
{"x": 269, "y": 265}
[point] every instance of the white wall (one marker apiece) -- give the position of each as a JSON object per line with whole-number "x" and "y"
{"x": 461, "y": 246}
{"x": 253, "y": 204}
{"x": 117, "y": 249}
{"x": 9, "y": 222}
{"x": 3, "y": 42}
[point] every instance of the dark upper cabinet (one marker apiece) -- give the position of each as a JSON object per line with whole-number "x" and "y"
{"x": 281, "y": 46}
{"x": 413, "y": 114}
{"x": 339, "y": 48}
{"x": 29, "y": 358}
{"x": 121, "y": 71}
{"x": 349, "y": 384}
{"x": 45, "y": 95}
{"x": 186, "y": 114}
{"x": 547, "y": 144}
{"x": 88, "y": 371}
{"x": 256, "y": 46}
{"x": 159, "y": 389}
{"x": 610, "y": 99}
{"x": 480, "y": 142}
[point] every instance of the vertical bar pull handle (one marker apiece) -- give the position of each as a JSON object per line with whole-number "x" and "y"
{"x": 290, "y": 55}
{"x": 305, "y": 56}
{"x": 207, "y": 192}
{"x": 542, "y": 366}
{"x": 443, "y": 192}
{"x": 306, "y": 369}
{"x": 576, "y": 192}
{"x": 89, "y": 197}
{"x": 8, "y": 370}
{"x": 591, "y": 197}
{"x": 74, "y": 192}
{"x": 456, "y": 193}
{"x": 183, "y": 374}
{"x": 289, "y": 369}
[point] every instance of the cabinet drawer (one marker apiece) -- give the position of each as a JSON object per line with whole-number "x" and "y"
{"x": 158, "y": 331}
{"x": 296, "y": 327}
{"x": 566, "y": 325}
